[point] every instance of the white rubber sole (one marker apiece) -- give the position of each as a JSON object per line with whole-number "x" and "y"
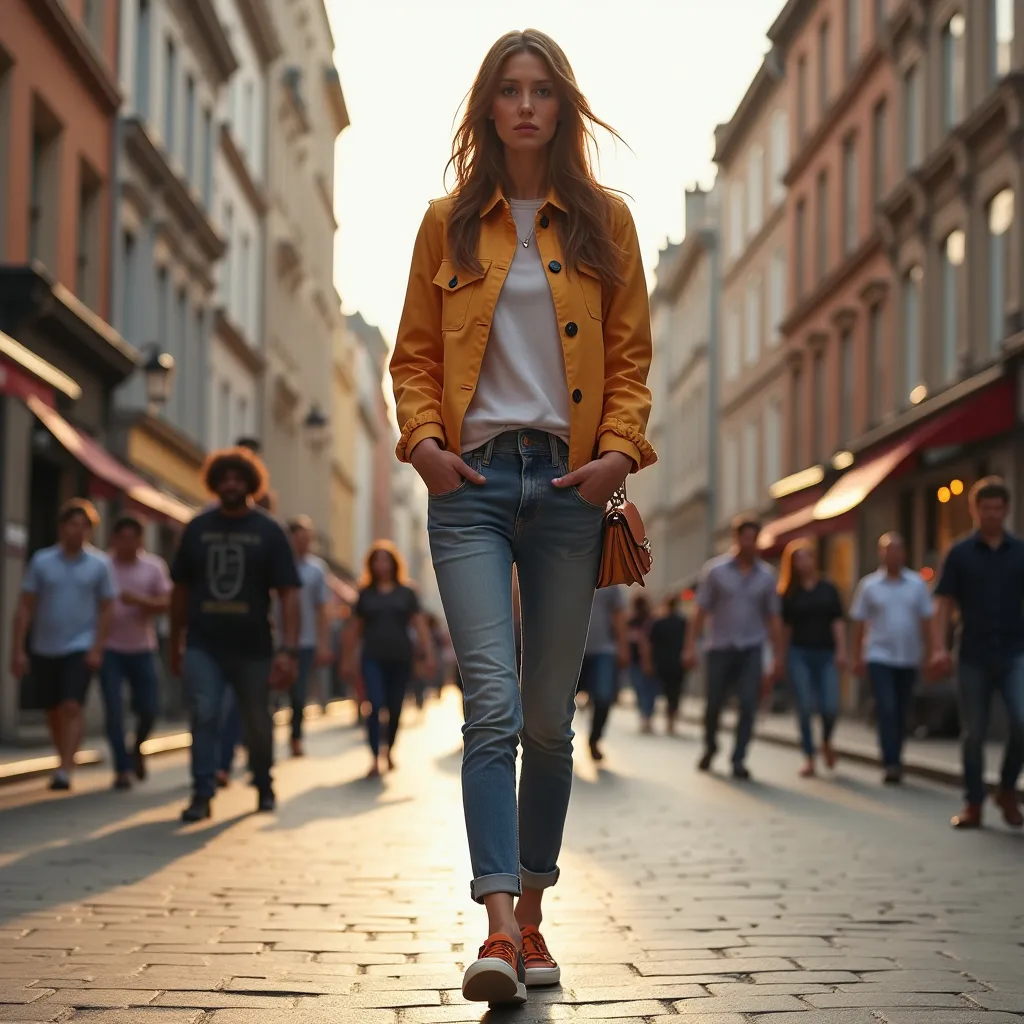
{"x": 493, "y": 981}
{"x": 538, "y": 977}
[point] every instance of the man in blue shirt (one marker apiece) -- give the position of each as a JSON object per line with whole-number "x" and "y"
{"x": 67, "y": 596}
{"x": 984, "y": 578}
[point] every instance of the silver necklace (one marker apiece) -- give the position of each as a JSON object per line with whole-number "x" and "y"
{"x": 528, "y": 239}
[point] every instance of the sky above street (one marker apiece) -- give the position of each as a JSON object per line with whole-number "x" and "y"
{"x": 662, "y": 72}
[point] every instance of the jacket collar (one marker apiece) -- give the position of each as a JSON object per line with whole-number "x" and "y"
{"x": 497, "y": 196}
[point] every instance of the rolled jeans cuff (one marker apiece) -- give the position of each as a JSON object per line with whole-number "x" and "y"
{"x": 538, "y": 879}
{"x": 487, "y": 885}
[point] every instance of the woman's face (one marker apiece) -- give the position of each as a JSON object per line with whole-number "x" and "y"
{"x": 525, "y": 110}
{"x": 381, "y": 567}
{"x": 803, "y": 562}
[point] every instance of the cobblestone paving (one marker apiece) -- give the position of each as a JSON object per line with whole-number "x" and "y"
{"x": 683, "y": 896}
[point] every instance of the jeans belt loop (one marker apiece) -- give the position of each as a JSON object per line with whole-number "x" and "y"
{"x": 488, "y": 452}
{"x": 553, "y": 443}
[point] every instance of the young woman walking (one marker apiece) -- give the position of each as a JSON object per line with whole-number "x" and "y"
{"x": 815, "y": 636}
{"x": 386, "y": 617}
{"x": 520, "y": 371}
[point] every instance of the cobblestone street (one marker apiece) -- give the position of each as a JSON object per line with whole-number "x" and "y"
{"x": 833, "y": 901}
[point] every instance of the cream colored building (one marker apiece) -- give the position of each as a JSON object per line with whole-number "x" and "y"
{"x": 343, "y": 416}
{"x": 676, "y": 495}
{"x": 752, "y": 154}
{"x": 303, "y": 311}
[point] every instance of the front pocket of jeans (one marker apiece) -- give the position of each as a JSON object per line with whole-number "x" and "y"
{"x": 584, "y": 502}
{"x": 448, "y": 494}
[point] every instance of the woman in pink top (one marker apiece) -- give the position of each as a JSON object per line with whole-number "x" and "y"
{"x": 144, "y": 588}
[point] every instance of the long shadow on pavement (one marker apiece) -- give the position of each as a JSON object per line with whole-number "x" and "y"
{"x": 349, "y": 799}
{"x": 87, "y": 868}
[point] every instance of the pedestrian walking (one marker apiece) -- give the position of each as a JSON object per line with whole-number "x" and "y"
{"x": 231, "y": 559}
{"x": 520, "y": 372}
{"x": 814, "y": 636}
{"x": 641, "y": 670}
{"x": 983, "y": 578}
{"x": 737, "y": 599}
{"x": 892, "y": 616}
{"x": 386, "y": 617}
{"x": 605, "y": 653}
{"x": 667, "y": 643}
{"x": 314, "y": 638}
{"x": 64, "y": 613}
{"x": 230, "y": 737}
{"x": 143, "y": 592}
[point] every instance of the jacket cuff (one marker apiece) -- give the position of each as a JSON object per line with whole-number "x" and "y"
{"x": 419, "y": 428}
{"x": 616, "y": 436}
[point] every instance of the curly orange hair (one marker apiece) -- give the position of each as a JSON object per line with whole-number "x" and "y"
{"x": 385, "y": 546}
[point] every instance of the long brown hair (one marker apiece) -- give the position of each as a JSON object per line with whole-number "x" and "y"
{"x": 788, "y": 580}
{"x": 479, "y": 163}
{"x": 389, "y": 549}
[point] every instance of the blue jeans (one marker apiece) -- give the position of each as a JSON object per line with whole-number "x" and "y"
{"x": 646, "y": 688}
{"x": 894, "y": 687}
{"x": 230, "y": 731}
{"x": 977, "y": 684}
{"x": 553, "y": 536}
{"x": 597, "y": 677}
{"x": 739, "y": 669}
{"x": 812, "y": 673}
{"x": 206, "y": 678}
{"x": 139, "y": 671}
{"x": 298, "y": 694}
{"x": 386, "y": 684}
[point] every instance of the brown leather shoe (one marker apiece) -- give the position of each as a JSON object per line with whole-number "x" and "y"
{"x": 969, "y": 817}
{"x": 1006, "y": 800}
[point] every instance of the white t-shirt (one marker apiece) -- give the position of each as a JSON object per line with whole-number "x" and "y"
{"x": 893, "y": 610}
{"x": 522, "y": 382}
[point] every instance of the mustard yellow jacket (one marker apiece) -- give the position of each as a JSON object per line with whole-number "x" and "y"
{"x": 606, "y": 334}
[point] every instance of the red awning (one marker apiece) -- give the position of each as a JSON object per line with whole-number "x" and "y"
{"x": 772, "y": 535}
{"x": 105, "y": 467}
{"x": 986, "y": 414}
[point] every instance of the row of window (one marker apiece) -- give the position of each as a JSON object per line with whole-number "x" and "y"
{"x": 185, "y": 139}
{"x": 747, "y": 196}
{"x": 751, "y": 460}
{"x": 745, "y": 327}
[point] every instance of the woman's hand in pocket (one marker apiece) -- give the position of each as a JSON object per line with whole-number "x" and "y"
{"x": 598, "y": 480}
{"x": 442, "y": 471}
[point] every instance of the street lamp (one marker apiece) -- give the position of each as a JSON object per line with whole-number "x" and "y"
{"x": 316, "y": 426}
{"x": 158, "y": 370}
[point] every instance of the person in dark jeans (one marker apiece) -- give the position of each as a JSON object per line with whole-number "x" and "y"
{"x": 641, "y": 670}
{"x": 386, "y": 609}
{"x": 984, "y": 578}
{"x": 892, "y": 615}
{"x": 737, "y": 597}
{"x": 815, "y": 637}
{"x": 230, "y": 560}
{"x": 667, "y": 641}
{"x": 606, "y": 652}
{"x": 143, "y": 591}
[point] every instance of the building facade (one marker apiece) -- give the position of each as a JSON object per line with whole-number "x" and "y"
{"x": 306, "y": 113}
{"x": 60, "y": 359}
{"x": 236, "y": 360}
{"x": 839, "y": 324}
{"x": 344, "y": 486}
{"x": 678, "y": 494}
{"x": 752, "y": 155}
{"x": 175, "y": 62}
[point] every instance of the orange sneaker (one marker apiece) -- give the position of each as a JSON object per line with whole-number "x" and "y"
{"x": 498, "y": 975}
{"x": 541, "y": 967}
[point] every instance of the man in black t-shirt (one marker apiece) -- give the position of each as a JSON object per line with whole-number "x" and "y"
{"x": 230, "y": 559}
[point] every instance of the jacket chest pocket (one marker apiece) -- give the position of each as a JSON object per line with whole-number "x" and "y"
{"x": 458, "y": 287}
{"x": 590, "y": 282}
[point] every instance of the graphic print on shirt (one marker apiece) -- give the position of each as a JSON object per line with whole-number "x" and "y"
{"x": 225, "y": 570}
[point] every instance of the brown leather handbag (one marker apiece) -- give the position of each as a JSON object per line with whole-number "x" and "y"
{"x": 626, "y": 551}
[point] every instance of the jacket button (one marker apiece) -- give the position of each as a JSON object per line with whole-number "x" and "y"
{"x": 554, "y": 266}
{"x": 577, "y": 396}
{"x": 571, "y": 329}
{"x": 453, "y": 282}
{"x": 544, "y": 222}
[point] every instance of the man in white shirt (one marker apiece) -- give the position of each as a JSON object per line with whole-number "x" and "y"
{"x": 892, "y": 614}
